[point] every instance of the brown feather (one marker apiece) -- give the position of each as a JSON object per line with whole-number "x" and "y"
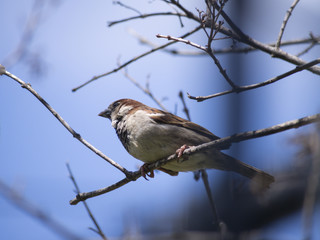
{"x": 171, "y": 119}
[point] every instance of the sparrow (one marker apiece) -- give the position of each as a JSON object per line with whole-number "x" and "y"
{"x": 150, "y": 134}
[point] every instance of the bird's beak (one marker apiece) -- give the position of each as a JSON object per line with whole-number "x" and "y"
{"x": 105, "y": 113}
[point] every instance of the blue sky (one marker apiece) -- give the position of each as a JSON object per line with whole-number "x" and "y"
{"x": 75, "y": 44}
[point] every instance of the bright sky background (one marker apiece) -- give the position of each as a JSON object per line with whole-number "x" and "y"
{"x": 75, "y": 44}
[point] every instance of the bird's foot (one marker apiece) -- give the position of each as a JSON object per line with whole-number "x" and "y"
{"x": 180, "y": 151}
{"x": 145, "y": 171}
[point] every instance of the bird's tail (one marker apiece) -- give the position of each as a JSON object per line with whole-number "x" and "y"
{"x": 260, "y": 177}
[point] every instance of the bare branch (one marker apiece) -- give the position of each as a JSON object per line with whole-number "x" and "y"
{"x": 194, "y": 149}
{"x": 307, "y": 49}
{"x": 142, "y": 16}
{"x": 63, "y": 122}
{"x": 278, "y": 53}
{"x": 257, "y": 85}
{"x": 133, "y": 60}
{"x": 187, "y": 12}
{"x": 216, "y": 61}
{"x": 222, "y": 70}
{"x": 216, "y": 221}
{"x": 84, "y": 196}
{"x": 34, "y": 211}
{"x": 145, "y": 90}
{"x": 312, "y": 40}
{"x": 98, "y": 231}
{"x": 126, "y": 6}
{"x": 182, "y": 40}
{"x": 185, "y": 108}
{"x": 284, "y": 23}
{"x": 2, "y": 70}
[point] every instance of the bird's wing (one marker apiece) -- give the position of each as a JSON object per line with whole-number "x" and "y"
{"x": 168, "y": 118}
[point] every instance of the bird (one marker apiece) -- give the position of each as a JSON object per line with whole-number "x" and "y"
{"x": 150, "y": 134}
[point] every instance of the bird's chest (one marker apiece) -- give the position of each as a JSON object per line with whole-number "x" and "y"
{"x": 143, "y": 138}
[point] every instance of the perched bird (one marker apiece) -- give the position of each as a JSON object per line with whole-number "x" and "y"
{"x": 150, "y": 134}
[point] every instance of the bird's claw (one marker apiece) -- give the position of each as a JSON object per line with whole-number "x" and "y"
{"x": 180, "y": 151}
{"x": 144, "y": 170}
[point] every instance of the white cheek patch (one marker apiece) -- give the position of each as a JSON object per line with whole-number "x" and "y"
{"x": 124, "y": 110}
{"x": 114, "y": 123}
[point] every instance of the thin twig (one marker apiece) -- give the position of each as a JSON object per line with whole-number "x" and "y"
{"x": 258, "y": 85}
{"x": 194, "y": 149}
{"x": 98, "y": 230}
{"x": 133, "y": 60}
{"x": 216, "y": 220}
{"x": 63, "y": 122}
{"x": 126, "y": 6}
{"x": 214, "y": 29}
{"x": 284, "y": 23}
{"x": 179, "y": 39}
{"x": 216, "y": 61}
{"x": 222, "y": 71}
{"x": 34, "y": 211}
{"x": 307, "y": 49}
{"x": 312, "y": 40}
{"x": 186, "y": 11}
{"x": 185, "y": 108}
{"x": 145, "y": 90}
{"x": 142, "y": 16}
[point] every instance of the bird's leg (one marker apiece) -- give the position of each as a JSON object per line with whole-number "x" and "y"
{"x": 180, "y": 151}
{"x": 144, "y": 169}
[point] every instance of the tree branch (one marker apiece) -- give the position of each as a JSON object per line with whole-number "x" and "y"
{"x": 34, "y": 211}
{"x": 208, "y": 51}
{"x": 284, "y": 23}
{"x": 98, "y": 230}
{"x": 313, "y": 40}
{"x": 126, "y": 6}
{"x": 111, "y": 23}
{"x": 258, "y": 85}
{"x": 133, "y": 60}
{"x": 194, "y": 149}
{"x": 146, "y": 90}
{"x": 278, "y": 53}
{"x": 63, "y": 122}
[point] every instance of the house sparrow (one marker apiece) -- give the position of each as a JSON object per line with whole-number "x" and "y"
{"x": 150, "y": 134}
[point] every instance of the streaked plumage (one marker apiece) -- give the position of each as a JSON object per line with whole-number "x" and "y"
{"x": 149, "y": 134}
